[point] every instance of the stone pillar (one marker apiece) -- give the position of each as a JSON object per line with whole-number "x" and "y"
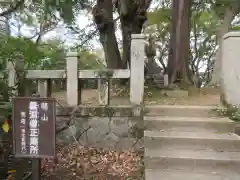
{"x": 103, "y": 91}
{"x": 72, "y": 79}
{"x": 44, "y": 88}
{"x": 216, "y": 74}
{"x": 137, "y": 69}
{"x": 16, "y": 72}
{"x": 165, "y": 79}
{"x": 11, "y": 76}
{"x": 230, "y": 71}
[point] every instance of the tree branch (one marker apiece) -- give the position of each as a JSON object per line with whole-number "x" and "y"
{"x": 12, "y": 8}
{"x": 91, "y": 35}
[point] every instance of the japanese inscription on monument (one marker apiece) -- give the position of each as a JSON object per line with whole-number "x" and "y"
{"x": 34, "y": 127}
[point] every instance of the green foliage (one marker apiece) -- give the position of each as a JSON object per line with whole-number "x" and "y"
{"x": 54, "y": 54}
{"x": 67, "y": 9}
{"x": 89, "y": 60}
{"x": 233, "y": 112}
{"x": 235, "y": 28}
{"x": 49, "y": 8}
{"x": 159, "y": 16}
{"x": 47, "y": 55}
{"x": 12, "y": 48}
{"x": 219, "y": 6}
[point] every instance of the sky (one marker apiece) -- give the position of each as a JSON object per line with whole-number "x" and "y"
{"x": 59, "y": 32}
{"x": 82, "y": 21}
{"x": 62, "y": 33}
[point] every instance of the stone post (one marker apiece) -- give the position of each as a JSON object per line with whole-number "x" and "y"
{"x": 103, "y": 86}
{"x": 44, "y": 88}
{"x": 11, "y": 76}
{"x": 165, "y": 79}
{"x": 137, "y": 69}
{"x": 72, "y": 79}
{"x": 230, "y": 73}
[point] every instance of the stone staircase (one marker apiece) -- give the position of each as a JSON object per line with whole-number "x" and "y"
{"x": 158, "y": 79}
{"x": 190, "y": 143}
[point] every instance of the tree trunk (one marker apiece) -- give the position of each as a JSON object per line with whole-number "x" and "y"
{"x": 224, "y": 28}
{"x": 127, "y": 30}
{"x": 133, "y": 16}
{"x": 126, "y": 37}
{"x": 110, "y": 46}
{"x": 179, "y": 43}
{"x": 171, "y": 66}
{"x": 103, "y": 17}
{"x": 185, "y": 43}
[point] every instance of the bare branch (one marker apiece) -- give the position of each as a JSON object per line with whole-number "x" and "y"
{"x": 91, "y": 35}
{"x": 12, "y": 8}
{"x": 45, "y": 26}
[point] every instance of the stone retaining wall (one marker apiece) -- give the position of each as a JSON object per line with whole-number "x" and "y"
{"x": 93, "y": 126}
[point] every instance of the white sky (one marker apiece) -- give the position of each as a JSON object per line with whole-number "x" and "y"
{"x": 83, "y": 20}
{"x": 63, "y": 33}
{"x": 60, "y": 32}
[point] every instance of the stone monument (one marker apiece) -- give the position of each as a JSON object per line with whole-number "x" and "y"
{"x": 230, "y": 73}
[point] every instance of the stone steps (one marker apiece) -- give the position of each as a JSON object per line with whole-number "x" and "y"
{"x": 152, "y": 174}
{"x": 188, "y": 140}
{"x": 191, "y": 143}
{"x": 189, "y": 124}
{"x": 180, "y": 111}
{"x": 190, "y": 159}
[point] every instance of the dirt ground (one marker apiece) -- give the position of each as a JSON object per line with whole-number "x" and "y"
{"x": 76, "y": 162}
{"x": 205, "y": 97}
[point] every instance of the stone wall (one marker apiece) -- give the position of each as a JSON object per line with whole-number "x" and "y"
{"x": 230, "y": 74}
{"x": 104, "y": 127}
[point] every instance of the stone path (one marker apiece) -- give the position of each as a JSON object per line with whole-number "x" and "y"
{"x": 190, "y": 143}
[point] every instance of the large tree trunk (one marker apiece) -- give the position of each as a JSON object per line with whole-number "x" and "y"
{"x": 171, "y": 66}
{"x": 179, "y": 43}
{"x": 230, "y": 13}
{"x": 185, "y": 43}
{"x": 110, "y": 46}
{"x": 128, "y": 28}
{"x": 103, "y": 17}
{"x": 126, "y": 38}
{"x": 132, "y": 17}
